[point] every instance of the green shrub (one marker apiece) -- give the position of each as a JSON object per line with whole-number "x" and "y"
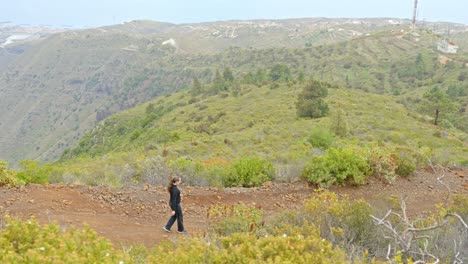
{"x": 135, "y": 134}
{"x": 406, "y": 166}
{"x": 249, "y": 172}
{"x": 29, "y": 242}
{"x": 383, "y": 162}
{"x": 340, "y": 220}
{"x": 215, "y": 170}
{"x": 32, "y": 172}
{"x": 320, "y": 138}
{"x": 247, "y": 248}
{"x": 337, "y": 166}
{"x": 339, "y": 124}
{"x": 7, "y": 177}
{"x": 189, "y": 170}
{"x": 460, "y": 205}
{"x": 229, "y": 219}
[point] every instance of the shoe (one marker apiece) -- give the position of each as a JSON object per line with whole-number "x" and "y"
{"x": 165, "y": 229}
{"x": 182, "y": 232}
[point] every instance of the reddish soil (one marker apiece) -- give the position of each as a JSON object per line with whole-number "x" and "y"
{"x": 136, "y": 215}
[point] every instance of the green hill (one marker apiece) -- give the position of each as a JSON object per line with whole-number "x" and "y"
{"x": 260, "y": 122}
{"x": 62, "y": 86}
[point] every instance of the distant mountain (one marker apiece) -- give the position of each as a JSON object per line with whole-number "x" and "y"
{"x": 14, "y": 40}
{"x": 61, "y": 85}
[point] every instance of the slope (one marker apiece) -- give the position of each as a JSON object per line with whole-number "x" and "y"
{"x": 260, "y": 122}
{"x": 60, "y": 88}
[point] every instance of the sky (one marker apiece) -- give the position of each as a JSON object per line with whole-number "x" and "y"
{"x": 93, "y": 13}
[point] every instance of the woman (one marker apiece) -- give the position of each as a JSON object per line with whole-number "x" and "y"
{"x": 174, "y": 203}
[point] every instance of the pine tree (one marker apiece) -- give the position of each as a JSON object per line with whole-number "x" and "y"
{"x": 310, "y": 101}
{"x": 438, "y": 102}
{"x": 218, "y": 84}
{"x": 339, "y": 124}
{"x": 196, "y": 87}
{"x": 280, "y": 72}
{"x": 301, "y": 77}
{"x": 227, "y": 75}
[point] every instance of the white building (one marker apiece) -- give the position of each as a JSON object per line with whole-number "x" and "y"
{"x": 447, "y": 47}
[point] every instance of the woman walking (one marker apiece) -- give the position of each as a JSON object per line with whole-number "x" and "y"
{"x": 174, "y": 203}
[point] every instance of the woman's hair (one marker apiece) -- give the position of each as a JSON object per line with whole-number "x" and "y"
{"x": 171, "y": 183}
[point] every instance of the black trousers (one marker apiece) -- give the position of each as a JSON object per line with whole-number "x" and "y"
{"x": 179, "y": 217}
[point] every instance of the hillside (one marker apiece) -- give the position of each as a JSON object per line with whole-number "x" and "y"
{"x": 60, "y": 87}
{"x": 260, "y": 122}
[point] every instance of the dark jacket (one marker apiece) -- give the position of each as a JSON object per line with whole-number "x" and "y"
{"x": 175, "y": 197}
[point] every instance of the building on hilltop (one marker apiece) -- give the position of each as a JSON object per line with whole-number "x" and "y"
{"x": 446, "y": 46}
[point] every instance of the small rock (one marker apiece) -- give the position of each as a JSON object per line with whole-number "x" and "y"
{"x": 267, "y": 185}
{"x": 430, "y": 187}
{"x": 31, "y": 201}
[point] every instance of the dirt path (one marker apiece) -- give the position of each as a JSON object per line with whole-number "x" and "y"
{"x": 136, "y": 215}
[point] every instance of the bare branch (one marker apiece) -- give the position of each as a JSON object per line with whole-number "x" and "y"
{"x": 380, "y": 221}
{"x": 459, "y": 218}
{"x": 422, "y": 237}
{"x": 388, "y": 252}
{"x": 403, "y": 209}
{"x": 405, "y": 232}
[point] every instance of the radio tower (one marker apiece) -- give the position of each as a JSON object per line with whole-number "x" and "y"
{"x": 415, "y": 13}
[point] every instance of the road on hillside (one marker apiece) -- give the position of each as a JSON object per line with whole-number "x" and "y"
{"x": 136, "y": 215}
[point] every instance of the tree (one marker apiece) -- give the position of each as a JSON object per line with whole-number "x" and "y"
{"x": 249, "y": 78}
{"x": 456, "y": 90}
{"x": 420, "y": 68}
{"x": 301, "y": 77}
{"x": 438, "y": 102}
{"x": 260, "y": 77}
{"x": 280, "y": 72}
{"x": 227, "y": 75}
{"x": 196, "y": 87}
{"x": 310, "y": 101}
{"x": 150, "y": 108}
{"x": 218, "y": 83}
{"x": 339, "y": 124}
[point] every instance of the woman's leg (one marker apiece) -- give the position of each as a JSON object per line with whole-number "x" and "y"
{"x": 180, "y": 218}
{"x": 171, "y": 221}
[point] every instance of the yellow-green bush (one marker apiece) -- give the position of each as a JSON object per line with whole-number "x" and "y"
{"x": 229, "y": 219}
{"x": 343, "y": 222}
{"x": 249, "y": 172}
{"x": 7, "y": 177}
{"x": 320, "y": 138}
{"x": 341, "y": 219}
{"x": 29, "y": 242}
{"x": 383, "y": 162}
{"x": 248, "y": 248}
{"x": 33, "y": 172}
{"x": 460, "y": 205}
{"x": 336, "y": 166}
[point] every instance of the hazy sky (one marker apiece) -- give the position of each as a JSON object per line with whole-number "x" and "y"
{"x": 85, "y": 13}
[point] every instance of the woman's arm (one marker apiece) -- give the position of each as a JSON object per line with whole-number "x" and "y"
{"x": 173, "y": 199}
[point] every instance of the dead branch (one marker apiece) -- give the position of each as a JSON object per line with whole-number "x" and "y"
{"x": 409, "y": 233}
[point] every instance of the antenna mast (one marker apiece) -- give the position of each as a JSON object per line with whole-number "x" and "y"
{"x": 414, "y": 13}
